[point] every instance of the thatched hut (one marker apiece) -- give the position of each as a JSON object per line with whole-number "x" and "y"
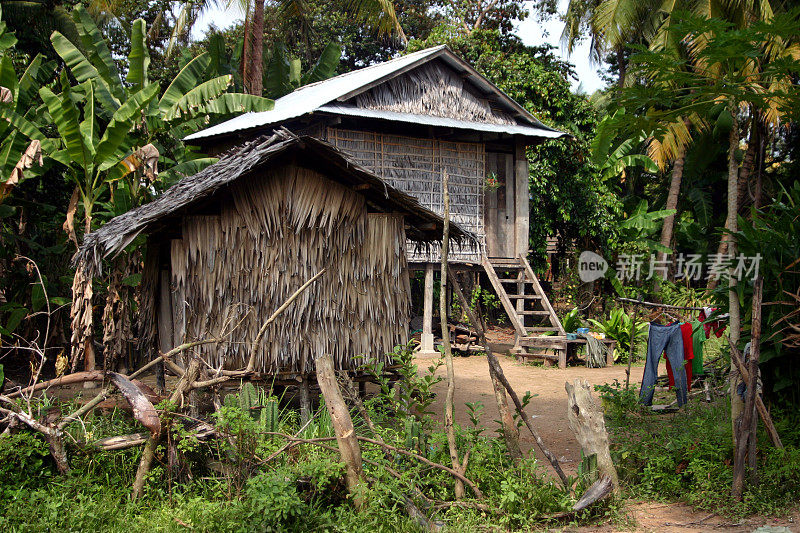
{"x": 228, "y": 245}
{"x": 409, "y": 120}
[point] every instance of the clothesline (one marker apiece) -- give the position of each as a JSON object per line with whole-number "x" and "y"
{"x": 664, "y": 306}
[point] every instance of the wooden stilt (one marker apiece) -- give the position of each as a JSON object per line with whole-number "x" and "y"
{"x": 426, "y": 344}
{"x": 165, "y": 330}
{"x": 305, "y": 401}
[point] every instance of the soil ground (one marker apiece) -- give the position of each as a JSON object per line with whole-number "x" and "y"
{"x": 549, "y": 407}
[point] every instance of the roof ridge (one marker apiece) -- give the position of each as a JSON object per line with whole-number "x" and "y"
{"x": 368, "y": 67}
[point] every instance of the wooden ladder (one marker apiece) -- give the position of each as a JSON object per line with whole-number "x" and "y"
{"x": 526, "y": 305}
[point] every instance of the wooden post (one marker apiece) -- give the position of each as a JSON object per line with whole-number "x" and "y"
{"x": 346, "y": 438}
{"x": 744, "y": 425}
{"x": 426, "y": 341}
{"x": 522, "y": 198}
{"x": 630, "y": 350}
{"x": 305, "y": 401}
{"x": 165, "y": 331}
{"x": 586, "y": 421}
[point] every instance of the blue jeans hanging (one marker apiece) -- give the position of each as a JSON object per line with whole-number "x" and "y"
{"x": 666, "y": 339}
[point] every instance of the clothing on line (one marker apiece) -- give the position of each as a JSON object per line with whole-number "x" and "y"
{"x": 688, "y": 357}
{"x": 669, "y": 341}
{"x": 698, "y": 338}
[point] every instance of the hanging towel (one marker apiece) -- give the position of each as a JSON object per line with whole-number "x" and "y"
{"x": 698, "y": 338}
{"x": 718, "y": 326}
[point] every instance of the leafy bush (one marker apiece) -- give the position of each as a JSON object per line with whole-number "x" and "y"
{"x": 618, "y": 327}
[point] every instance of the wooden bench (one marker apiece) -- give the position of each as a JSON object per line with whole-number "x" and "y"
{"x": 563, "y": 348}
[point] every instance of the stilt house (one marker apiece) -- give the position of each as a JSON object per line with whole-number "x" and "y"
{"x": 411, "y": 119}
{"x": 227, "y": 246}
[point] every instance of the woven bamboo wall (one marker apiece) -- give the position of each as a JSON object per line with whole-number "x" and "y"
{"x": 415, "y": 165}
{"x": 281, "y": 229}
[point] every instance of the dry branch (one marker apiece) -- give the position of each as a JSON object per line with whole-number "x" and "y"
{"x": 509, "y": 426}
{"x": 494, "y": 366}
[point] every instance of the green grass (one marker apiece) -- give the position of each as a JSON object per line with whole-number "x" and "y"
{"x": 687, "y": 456}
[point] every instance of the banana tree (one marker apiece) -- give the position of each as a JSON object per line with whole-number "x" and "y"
{"x": 613, "y": 157}
{"x": 19, "y": 155}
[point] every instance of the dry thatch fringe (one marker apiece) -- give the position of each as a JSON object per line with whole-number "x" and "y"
{"x": 433, "y": 90}
{"x": 414, "y": 166}
{"x": 278, "y": 232}
{"x": 114, "y": 236}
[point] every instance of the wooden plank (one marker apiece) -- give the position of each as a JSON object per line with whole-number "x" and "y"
{"x": 538, "y": 288}
{"x": 522, "y": 198}
{"x": 534, "y": 313}
{"x": 501, "y": 293}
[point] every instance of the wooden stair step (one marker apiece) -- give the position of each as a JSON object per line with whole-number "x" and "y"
{"x": 534, "y": 313}
{"x": 541, "y": 329}
{"x": 513, "y": 280}
{"x": 505, "y": 262}
{"x": 524, "y": 296}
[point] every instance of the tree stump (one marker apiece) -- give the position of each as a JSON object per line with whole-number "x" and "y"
{"x": 587, "y": 422}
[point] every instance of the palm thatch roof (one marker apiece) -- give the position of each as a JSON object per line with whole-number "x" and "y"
{"x": 422, "y": 225}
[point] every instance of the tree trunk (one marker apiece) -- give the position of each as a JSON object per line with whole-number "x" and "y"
{"x": 255, "y": 68}
{"x": 587, "y": 423}
{"x": 672, "y": 203}
{"x": 346, "y": 438}
{"x": 622, "y": 66}
{"x": 730, "y": 249}
{"x": 448, "y": 352}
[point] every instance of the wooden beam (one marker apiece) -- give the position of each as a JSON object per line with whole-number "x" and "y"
{"x": 521, "y": 198}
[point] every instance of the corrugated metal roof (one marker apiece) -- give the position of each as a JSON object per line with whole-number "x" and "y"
{"x": 428, "y": 120}
{"x": 312, "y": 97}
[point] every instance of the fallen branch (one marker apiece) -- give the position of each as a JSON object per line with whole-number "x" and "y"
{"x": 766, "y": 418}
{"x": 148, "y": 454}
{"x": 428, "y": 462}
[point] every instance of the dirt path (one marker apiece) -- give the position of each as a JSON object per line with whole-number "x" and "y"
{"x": 549, "y": 407}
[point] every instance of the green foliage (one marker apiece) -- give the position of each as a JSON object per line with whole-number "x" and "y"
{"x": 572, "y": 321}
{"x": 774, "y": 234}
{"x": 24, "y": 463}
{"x": 688, "y": 457}
{"x": 613, "y": 158}
{"x": 618, "y": 327}
{"x": 641, "y": 225}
